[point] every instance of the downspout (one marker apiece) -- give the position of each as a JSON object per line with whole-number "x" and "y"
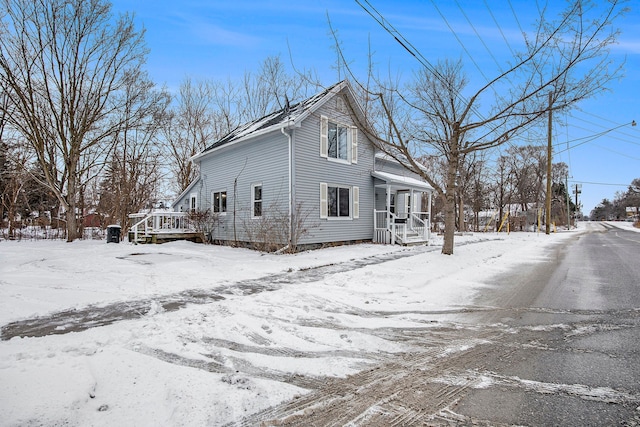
{"x": 290, "y": 150}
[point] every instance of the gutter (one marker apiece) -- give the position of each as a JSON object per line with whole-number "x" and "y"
{"x": 290, "y": 150}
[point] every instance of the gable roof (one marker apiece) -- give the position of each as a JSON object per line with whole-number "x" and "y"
{"x": 287, "y": 117}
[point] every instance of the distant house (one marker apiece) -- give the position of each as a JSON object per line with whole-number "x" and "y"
{"x": 307, "y": 176}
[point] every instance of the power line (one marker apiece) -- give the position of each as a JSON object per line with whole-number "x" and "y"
{"x": 410, "y": 48}
{"x": 617, "y": 152}
{"x": 598, "y": 183}
{"x": 486, "y": 47}
{"x": 604, "y": 127}
{"x": 596, "y": 116}
{"x": 413, "y": 51}
{"x": 497, "y": 24}
{"x": 458, "y": 39}
{"x": 386, "y": 25}
{"x": 515, "y": 16}
{"x": 590, "y": 138}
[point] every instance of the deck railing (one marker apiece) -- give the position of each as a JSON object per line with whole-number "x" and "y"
{"x": 390, "y": 228}
{"x": 160, "y": 222}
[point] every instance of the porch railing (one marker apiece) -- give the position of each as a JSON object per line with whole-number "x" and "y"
{"x": 389, "y": 228}
{"x": 160, "y": 222}
{"x": 420, "y": 224}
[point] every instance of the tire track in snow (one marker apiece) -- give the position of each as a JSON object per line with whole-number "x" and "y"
{"x": 76, "y": 320}
{"x": 424, "y": 387}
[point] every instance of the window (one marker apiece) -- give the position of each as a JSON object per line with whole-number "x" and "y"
{"x": 256, "y": 200}
{"x": 219, "y": 201}
{"x": 339, "y": 201}
{"x": 338, "y": 141}
{"x": 193, "y": 202}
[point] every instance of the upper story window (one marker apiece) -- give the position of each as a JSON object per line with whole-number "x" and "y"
{"x": 219, "y": 201}
{"x": 338, "y": 141}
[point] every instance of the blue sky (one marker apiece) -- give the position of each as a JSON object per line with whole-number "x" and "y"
{"x": 211, "y": 39}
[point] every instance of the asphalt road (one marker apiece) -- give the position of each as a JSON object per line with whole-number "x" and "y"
{"x": 554, "y": 343}
{"x": 581, "y": 315}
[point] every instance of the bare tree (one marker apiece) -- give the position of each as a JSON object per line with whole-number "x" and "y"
{"x": 564, "y": 61}
{"x": 502, "y": 189}
{"x": 561, "y": 204}
{"x": 61, "y": 64}
{"x": 134, "y": 171}
{"x": 476, "y": 189}
{"x": 13, "y": 179}
{"x": 527, "y": 167}
{"x": 190, "y": 128}
{"x": 271, "y": 89}
{"x": 207, "y": 111}
{"x": 632, "y": 198}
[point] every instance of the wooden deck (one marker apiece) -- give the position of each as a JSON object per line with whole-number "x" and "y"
{"x": 165, "y": 237}
{"x": 162, "y": 227}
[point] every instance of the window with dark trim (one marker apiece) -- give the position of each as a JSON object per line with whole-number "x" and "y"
{"x": 339, "y": 200}
{"x": 256, "y": 200}
{"x": 338, "y": 141}
{"x": 219, "y": 202}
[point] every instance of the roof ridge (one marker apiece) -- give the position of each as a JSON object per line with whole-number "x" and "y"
{"x": 270, "y": 119}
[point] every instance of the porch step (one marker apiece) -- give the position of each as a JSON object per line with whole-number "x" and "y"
{"x": 414, "y": 241}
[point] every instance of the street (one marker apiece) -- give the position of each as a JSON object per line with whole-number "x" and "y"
{"x": 582, "y": 365}
{"x": 554, "y": 343}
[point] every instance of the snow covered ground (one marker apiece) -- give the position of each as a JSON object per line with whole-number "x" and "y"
{"x": 213, "y": 364}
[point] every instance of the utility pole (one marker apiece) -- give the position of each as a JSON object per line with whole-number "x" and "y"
{"x": 547, "y": 217}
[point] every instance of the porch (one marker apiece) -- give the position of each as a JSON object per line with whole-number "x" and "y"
{"x": 399, "y": 216}
{"x": 391, "y": 229}
{"x": 161, "y": 227}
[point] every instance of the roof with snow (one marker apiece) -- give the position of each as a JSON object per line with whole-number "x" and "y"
{"x": 402, "y": 181}
{"x": 288, "y": 116}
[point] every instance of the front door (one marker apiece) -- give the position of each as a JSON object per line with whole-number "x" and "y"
{"x": 403, "y": 202}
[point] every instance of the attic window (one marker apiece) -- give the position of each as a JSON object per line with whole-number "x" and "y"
{"x": 338, "y": 143}
{"x": 340, "y": 105}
